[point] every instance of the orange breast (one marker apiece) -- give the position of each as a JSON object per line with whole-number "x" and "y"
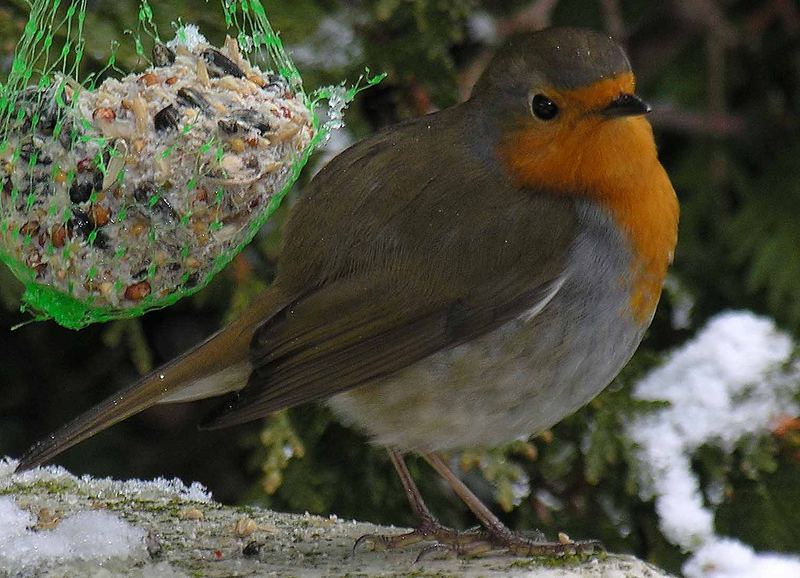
{"x": 615, "y": 163}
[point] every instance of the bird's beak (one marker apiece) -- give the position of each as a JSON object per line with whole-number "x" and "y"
{"x": 626, "y": 104}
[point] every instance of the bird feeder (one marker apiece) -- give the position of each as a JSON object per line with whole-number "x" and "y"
{"x": 122, "y": 193}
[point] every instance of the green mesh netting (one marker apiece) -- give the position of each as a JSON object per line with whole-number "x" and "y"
{"x": 126, "y": 191}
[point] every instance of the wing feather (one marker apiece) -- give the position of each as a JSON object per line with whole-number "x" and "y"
{"x": 364, "y": 352}
{"x": 394, "y": 263}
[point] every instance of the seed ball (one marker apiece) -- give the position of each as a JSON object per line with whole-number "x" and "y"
{"x": 80, "y": 191}
{"x": 149, "y": 178}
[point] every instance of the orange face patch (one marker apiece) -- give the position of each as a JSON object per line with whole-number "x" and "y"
{"x": 610, "y": 160}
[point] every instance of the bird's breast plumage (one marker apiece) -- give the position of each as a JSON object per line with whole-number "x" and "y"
{"x": 613, "y": 164}
{"x": 524, "y": 376}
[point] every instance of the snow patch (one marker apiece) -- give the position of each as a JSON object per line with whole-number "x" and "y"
{"x": 90, "y": 542}
{"x": 726, "y": 558}
{"x": 332, "y": 46}
{"x": 731, "y": 381}
{"x": 104, "y": 488}
{"x": 482, "y": 27}
{"x": 188, "y": 35}
{"x": 95, "y": 535}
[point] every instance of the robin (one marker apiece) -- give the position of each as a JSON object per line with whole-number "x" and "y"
{"x": 459, "y": 280}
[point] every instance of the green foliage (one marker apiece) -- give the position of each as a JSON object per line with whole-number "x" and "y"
{"x": 760, "y": 495}
{"x": 765, "y": 234}
{"x": 498, "y": 466}
{"x": 131, "y": 331}
{"x": 280, "y": 443}
{"x": 605, "y": 448}
{"x": 412, "y": 42}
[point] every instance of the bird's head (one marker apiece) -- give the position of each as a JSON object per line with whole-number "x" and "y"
{"x": 565, "y": 119}
{"x": 565, "y": 109}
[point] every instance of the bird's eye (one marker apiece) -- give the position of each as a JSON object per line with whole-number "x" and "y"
{"x": 543, "y": 108}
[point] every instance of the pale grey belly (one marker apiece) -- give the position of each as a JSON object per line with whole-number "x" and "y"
{"x": 519, "y": 379}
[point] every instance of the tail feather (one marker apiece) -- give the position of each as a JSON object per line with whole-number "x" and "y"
{"x": 187, "y": 377}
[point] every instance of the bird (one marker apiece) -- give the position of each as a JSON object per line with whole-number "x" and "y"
{"x": 458, "y": 280}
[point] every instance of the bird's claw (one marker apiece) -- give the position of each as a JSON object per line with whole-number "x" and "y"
{"x": 477, "y": 542}
{"x": 382, "y": 542}
{"x": 484, "y": 543}
{"x": 462, "y": 549}
{"x": 429, "y": 531}
{"x": 524, "y": 547}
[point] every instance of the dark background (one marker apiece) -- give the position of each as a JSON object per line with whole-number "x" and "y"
{"x": 724, "y": 77}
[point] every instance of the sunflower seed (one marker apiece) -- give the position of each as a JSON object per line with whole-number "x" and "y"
{"x": 97, "y": 179}
{"x": 68, "y": 134}
{"x": 191, "y": 97}
{"x": 100, "y": 240}
{"x": 80, "y": 191}
{"x": 243, "y": 120}
{"x": 163, "y": 207}
{"x": 277, "y": 83}
{"x": 163, "y": 55}
{"x": 221, "y": 65}
{"x": 166, "y": 118}
{"x": 80, "y": 223}
{"x": 150, "y": 195}
{"x": 192, "y": 280}
{"x": 144, "y": 192}
{"x": 31, "y": 152}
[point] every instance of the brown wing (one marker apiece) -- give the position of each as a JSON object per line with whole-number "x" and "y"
{"x": 299, "y": 359}
{"x": 429, "y": 258}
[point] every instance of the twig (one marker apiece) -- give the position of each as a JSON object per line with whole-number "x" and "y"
{"x": 706, "y": 14}
{"x": 716, "y": 124}
{"x": 715, "y": 72}
{"x": 612, "y": 16}
{"x": 470, "y": 75}
{"x": 785, "y": 11}
{"x": 535, "y": 16}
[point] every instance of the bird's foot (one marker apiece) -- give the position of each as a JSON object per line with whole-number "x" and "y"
{"x": 485, "y": 542}
{"x": 430, "y": 530}
{"x": 519, "y": 545}
{"x": 498, "y": 537}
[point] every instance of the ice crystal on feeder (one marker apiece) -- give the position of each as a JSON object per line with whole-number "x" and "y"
{"x": 130, "y": 192}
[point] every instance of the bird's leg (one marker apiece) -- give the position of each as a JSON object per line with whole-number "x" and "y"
{"x": 499, "y": 536}
{"x": 429, "y": 528}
